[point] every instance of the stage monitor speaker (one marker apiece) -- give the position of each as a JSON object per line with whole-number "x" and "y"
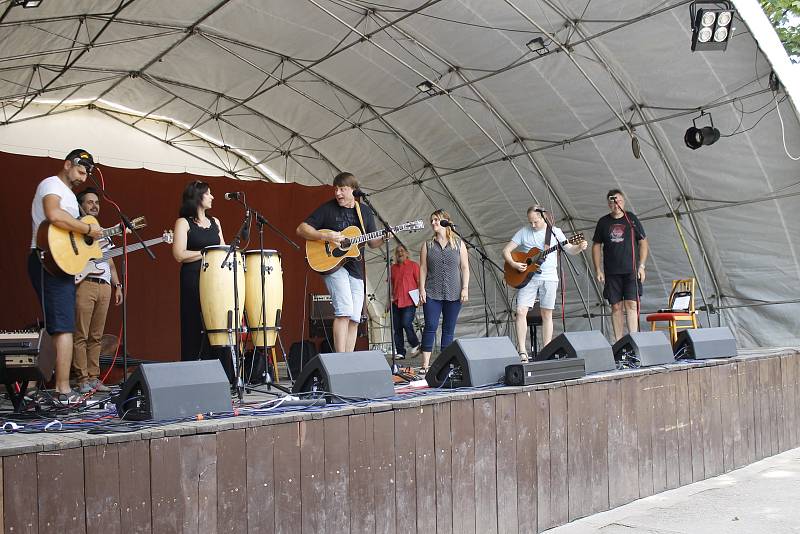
{"x": 644, "y": 349}
{"x": 174, "y": 390}
{"x": 704, "y": 343}
{"x": 472, "y": 362}
{"x": 347, "y": 375}
{"x": 592, "y": 346}
{"x": 526, "y": 374}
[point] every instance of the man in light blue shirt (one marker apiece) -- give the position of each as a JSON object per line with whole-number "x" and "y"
{"x": 543, "y": 284}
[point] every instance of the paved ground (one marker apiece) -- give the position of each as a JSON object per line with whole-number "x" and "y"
{"x": 762, "y": 497}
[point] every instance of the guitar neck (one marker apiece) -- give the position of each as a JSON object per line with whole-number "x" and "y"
{"x": 373, "y": 235}
{"x": 554, "y": 247}
{"x": 132, "y": 248}
{"x": 110, "y": 232}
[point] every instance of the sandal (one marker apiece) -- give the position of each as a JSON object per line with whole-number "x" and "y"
{"x": 523, "y": 357}
{"x": 423, "y": 370}
{"x": 67, "y": 399}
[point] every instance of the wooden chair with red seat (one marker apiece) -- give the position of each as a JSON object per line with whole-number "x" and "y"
{"x": 681, "y": 313}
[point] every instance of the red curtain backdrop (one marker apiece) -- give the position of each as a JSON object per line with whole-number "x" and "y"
{"x": 153, "y": 320}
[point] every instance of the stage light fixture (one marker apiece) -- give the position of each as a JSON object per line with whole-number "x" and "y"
{"x": 696, "y": 137}
{"x": 426, "y": 87}
{"x": 27, "y": 3}
{"x": 537, "y": 45}
{"x": 711, "y": 26}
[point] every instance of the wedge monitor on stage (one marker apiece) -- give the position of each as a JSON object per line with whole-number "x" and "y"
{"x": 644, "y": 349}
{"x": 472, "y": 362}
{"x": 347, "y": 375}
{"x": 174, "y": 390}
{"x": 704, "y": 343}
{"x": 592, "y": 346}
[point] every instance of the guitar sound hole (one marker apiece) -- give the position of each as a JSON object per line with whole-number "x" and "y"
{"x": 89, "y": 240}
{"x": 345, "y": 243}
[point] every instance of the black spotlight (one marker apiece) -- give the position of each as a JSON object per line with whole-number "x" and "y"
{"x": 27, "y": 4}
{"x": 696, "y": 137}
{"x": 712, "y": 26}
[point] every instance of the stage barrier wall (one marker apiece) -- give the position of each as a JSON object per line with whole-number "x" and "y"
{"x": 508, "y": 460}
{"x": 153, "y": 292}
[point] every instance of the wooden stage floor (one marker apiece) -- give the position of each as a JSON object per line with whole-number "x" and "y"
{"x": 506, "y": 459}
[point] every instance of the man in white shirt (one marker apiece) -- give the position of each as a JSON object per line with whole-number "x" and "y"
{"x": 92, "y": 298}
{"x": 543, "y": 284}
{"x": 54, "y": 202}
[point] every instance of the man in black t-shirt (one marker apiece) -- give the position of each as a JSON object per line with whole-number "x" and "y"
{"x": 345, "y": 285}
{"x": 623, "y": 268}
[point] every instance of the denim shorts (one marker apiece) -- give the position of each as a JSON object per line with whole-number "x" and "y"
{"x": 58, "y": 301}
{"x": 347, "y": 294}
{"x": 546, "y": 290}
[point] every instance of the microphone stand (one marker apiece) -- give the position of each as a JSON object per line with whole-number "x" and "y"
{"x": 261, "y": 221}
{"x": 236, "y": 355}
{"x": 484, "y": 258}
{"x": 126, "y": 223}
{"x": 395, "y": 367}
{"x": 633, "y": 264}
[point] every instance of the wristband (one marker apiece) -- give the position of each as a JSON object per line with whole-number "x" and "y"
{"x": 89, "y": 228}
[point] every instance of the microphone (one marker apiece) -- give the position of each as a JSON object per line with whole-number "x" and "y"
{"x": 444, "y": 223}
{"x": 236, "y": 195}
{"x": 358, "y": 193}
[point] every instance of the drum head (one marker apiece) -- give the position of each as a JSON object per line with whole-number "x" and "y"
{"x": 267, "y": 252}
{"x": 217, "y": 247}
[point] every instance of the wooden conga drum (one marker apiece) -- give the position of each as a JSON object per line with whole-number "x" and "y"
{"x": 273, "y": 295}
{"x": 216, "y": 293}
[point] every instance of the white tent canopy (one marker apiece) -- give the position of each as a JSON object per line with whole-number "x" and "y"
{"x": 298, "y": 90}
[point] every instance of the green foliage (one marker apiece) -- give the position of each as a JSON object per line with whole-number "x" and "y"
{"x": 785, "y": 17}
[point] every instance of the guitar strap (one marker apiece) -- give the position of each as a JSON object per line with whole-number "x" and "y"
{"x": 360, "y": 220}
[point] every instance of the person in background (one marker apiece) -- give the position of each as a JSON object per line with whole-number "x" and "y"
{"x": 92, "y": 297}
{"x": 405, "y": 278}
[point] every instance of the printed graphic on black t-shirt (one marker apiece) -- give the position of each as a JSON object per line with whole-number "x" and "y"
{"x": 331, "y": 216}
{"x": 615, "y": 236}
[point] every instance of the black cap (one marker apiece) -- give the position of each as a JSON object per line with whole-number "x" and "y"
{"x": 80, "y": 156}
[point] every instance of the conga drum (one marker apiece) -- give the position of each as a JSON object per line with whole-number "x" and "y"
{"x": 216, "y": 293}
{"x": 273, "y": 295}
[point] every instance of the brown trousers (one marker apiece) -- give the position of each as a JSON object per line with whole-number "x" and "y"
{"x": 91, "y": 306}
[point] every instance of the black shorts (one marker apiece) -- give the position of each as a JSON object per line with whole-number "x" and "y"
{"x": 622, "y": 287}
{"x": 59, "y": 296}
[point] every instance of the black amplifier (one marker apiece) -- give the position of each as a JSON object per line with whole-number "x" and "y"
{"x": 526, "y": 374}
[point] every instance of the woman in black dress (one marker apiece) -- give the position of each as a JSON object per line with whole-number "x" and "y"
{"x": 194, "y": 231}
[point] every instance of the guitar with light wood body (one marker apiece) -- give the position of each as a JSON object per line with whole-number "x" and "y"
{"x": 67, "y": 252}
{"x": 533, "y": 259}
{"x": 326, "y": 257}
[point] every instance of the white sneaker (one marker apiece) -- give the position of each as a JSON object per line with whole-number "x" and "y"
{"x": 416, "y": 350}
{"x": 399, "y": 356}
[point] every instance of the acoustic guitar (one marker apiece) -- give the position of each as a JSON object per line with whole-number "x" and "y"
{"x": 91, "y": 268}
{"x": 325, "y": 257}
{"x": 534, "y": 259}
{"x": 68, "y": 252}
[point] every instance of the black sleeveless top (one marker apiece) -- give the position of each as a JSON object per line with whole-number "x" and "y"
{"x": 199, "y": 238}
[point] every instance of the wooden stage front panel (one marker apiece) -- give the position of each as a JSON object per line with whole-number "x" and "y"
{"x": 502, "y": 460}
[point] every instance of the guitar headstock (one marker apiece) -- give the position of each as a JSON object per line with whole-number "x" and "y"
{"x": 577, "y": 238}
{"x": 138, "y": 222}
{"x": 168, "y": 236}
{"x": 412, "y": 226}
